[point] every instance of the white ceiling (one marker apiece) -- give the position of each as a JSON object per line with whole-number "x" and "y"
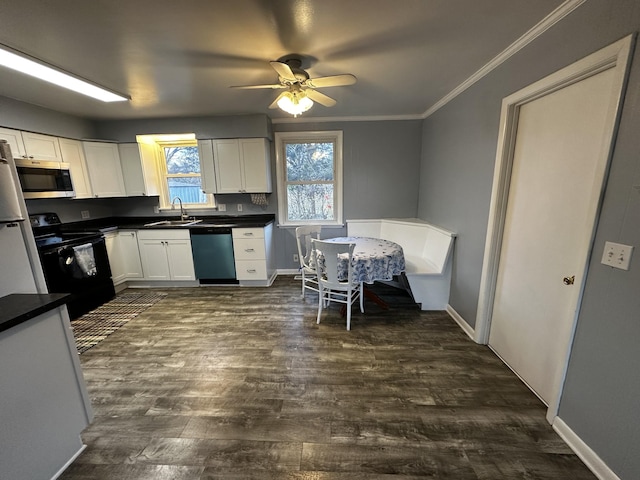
{"x": 178, "y": 58}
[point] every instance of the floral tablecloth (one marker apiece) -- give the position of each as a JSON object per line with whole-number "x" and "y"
{"x": 373, "y": 259}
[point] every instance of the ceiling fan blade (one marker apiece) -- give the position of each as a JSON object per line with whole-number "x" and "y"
{"x": 284, "y": 71}
{"x": 273, "y": 86}
{"x": 321, "y": 98}
{"x": 332, "y": 81}
{"x": 275, "y": 102}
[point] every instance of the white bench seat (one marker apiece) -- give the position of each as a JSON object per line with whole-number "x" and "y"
{"x": 427, "y": 252}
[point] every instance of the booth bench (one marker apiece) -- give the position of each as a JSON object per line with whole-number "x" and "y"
{"x": 428, "y": 251}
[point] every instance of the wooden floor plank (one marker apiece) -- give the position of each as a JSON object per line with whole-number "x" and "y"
{"x": 241, "y": 383}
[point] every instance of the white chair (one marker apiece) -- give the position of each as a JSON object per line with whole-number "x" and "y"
{"x": 304, "y": 235}
{"x": 332, "y": 288}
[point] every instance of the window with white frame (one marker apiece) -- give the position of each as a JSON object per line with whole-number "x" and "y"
{"x": 180, "y": 171}
{"x": 309, "y": 168}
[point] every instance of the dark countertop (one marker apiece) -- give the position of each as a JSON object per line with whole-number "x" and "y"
{"x": 17, "y": 308}
{"x": 110, "y": 223}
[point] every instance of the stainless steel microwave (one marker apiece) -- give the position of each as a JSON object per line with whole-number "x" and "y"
{"x": 44, "y": 179}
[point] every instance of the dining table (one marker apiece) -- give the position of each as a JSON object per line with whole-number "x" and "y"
{"x": 374, "y": 259}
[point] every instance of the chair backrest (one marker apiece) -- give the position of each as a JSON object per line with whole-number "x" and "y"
{"x": 334, "y": 256}
{"x": 304, "y": 234}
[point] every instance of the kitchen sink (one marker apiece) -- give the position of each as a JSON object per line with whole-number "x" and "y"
{"x": 172, "y": 223}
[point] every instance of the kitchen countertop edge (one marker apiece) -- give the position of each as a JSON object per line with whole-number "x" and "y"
{"x": 138, "y": 223}
{"x": 18, "y": 308}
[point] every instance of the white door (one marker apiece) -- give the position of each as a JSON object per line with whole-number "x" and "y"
{"x": 559, "y": 164}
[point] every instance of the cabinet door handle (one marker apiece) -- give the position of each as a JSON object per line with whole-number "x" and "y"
{"x": 251, "y": 270}
{"x": 248, "y": 234}
{"x": 249, "y": 249}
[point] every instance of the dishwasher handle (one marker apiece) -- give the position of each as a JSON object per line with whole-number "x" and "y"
{"x": 210, "y": 231}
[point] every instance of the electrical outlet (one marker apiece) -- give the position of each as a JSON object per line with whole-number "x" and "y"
{"x": 239, "y": 207}
{"x": 295, "y": 257}
{"x": 85, "y": 214}
{"x": 222, "y": 207}
{"x": 617, "y": 255}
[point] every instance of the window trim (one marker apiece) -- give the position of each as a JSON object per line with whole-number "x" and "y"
{"x": 335, "y": 136}
{"x": 165, "y": 201}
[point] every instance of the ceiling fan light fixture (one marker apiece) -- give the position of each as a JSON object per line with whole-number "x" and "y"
{"x": 294, "y": 103}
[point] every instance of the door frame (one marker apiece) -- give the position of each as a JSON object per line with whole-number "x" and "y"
{"x": 617, "y": 56}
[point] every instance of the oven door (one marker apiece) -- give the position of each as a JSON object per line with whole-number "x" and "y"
{"x": 81, "y": 269}
{"x": 44, "y": 179}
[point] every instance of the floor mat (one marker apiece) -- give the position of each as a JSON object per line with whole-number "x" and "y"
{"x": 93, "y": 327}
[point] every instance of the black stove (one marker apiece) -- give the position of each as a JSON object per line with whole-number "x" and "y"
{"x": 73, "y": 262}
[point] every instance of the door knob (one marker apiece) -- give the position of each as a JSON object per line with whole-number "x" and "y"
{"x": 569, "y": 280}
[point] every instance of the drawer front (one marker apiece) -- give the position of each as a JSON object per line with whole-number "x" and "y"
{"x": 251, "y": 270}
{"x": 168, "y": 234}
{"x": 248, "y": 249}
{"x": 248, "y": 233}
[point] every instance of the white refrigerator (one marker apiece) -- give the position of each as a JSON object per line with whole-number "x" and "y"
{"x": 20, "y": 270}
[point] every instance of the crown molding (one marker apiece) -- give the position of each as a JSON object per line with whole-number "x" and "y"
{"x": 372, "y": 118}
{"x": 545, "y": 24}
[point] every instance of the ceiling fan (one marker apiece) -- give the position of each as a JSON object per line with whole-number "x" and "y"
{"x": 300, "y": 88}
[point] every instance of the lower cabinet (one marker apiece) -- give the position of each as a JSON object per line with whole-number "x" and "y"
{"x": 124, "y": 256}
{"x": 129, "y": 253}
{"x": 115, "y": 257}
{"x": 253, "y": 252}
{"x": 166, "y": 254}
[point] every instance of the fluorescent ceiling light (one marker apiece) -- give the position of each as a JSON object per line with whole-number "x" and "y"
{"x": 23, "y": 64}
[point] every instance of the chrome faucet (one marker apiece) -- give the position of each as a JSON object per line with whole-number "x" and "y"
{"x": 183, "y": 212}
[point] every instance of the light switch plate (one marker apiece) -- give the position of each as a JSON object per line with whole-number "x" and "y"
{"x": 617, "y": 255}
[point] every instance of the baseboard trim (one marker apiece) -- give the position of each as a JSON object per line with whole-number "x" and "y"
{"x": 288, "y": 271}
{"x": 69, "y": 462}
{"x": 583, "y": 451}
{"x": 466, "y": 328}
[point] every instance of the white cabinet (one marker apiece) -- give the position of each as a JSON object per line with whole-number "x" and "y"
{"x": 253, "y": 252}
{"x": 32, "y": 145}
{"x": 207, "y": 168}
{"x": 242, "y": 165}
{"x": 124, "y": 257}
{"x": 129, "y": 254}
{"x": 73, "y": 154}
{"x": 166, "y": 254}
{"x": 42, "y": 147}
{"x": 105, "y": 171}
{"x": 14, "y": 139}
{"x": 139, "y": 169}
{"x": 115, "y": 259}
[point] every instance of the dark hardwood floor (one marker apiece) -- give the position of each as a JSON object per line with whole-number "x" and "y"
{"x": 240, "y": 383}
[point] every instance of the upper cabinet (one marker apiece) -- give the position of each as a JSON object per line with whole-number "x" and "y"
{"x": 242, "y": 165}
{"x": 32, "y": 145}
{"x": 207, "y": 169}
{"x": 139, "y": 169}
{"x": 73, "y": 154}
{"x": 105, "y": 170}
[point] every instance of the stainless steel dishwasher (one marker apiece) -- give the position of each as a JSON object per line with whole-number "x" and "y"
{"x": 213, "y": 259}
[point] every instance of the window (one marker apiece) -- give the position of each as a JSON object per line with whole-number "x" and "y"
{"x": 180, "y": 169}
{"x": 309, "y": 166}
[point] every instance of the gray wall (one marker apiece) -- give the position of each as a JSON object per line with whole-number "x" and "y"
{"x": 236, "y": 126}
{"x": 600, "y": 398}
{"x": 31, "y": 118}
{"x": 381, "y": 161}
